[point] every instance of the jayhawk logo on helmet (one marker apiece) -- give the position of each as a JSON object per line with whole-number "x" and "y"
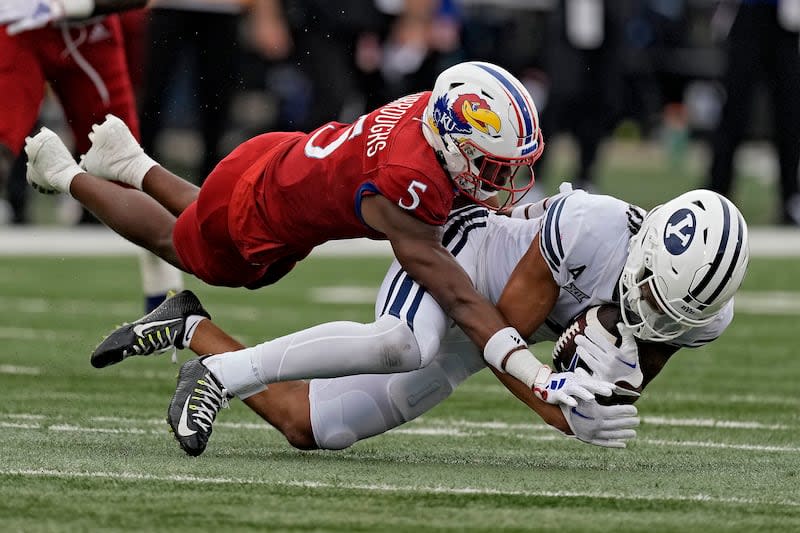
{"x": 469, "y": 112}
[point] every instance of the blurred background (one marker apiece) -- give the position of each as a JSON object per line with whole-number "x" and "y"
{"x": 642, "y": 99}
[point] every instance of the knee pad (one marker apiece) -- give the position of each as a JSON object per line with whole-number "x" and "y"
{"x": 352, "y": 408}
{"x": 415, "y": 393}
{"x": 346, "y": 410}
{"x": 398, "y": 347}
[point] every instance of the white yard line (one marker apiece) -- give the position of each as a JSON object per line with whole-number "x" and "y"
{"x": 423, "y": 425}
{"x": 60, "y": 241}
{"x": 425, "y": 428}
{"x": 722, "y": 445}
{"x": 30, "y": 334}
{"x": 768, "y": 302}
{"x": 435, "y": 489}
{"x": 20, "y": 370}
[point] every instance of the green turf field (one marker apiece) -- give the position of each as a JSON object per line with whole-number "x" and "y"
{"x": 84, "y": 449}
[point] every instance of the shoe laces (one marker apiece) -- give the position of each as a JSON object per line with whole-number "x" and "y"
{"x": 211, "y": 398}
{"x": 157, "y": 341}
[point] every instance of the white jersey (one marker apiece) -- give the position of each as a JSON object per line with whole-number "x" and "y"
{"x": 584, "y": 240}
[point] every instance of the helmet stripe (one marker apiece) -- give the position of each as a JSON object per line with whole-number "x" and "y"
{"x": 723, "y": 243}
{"x": 520, "y": 140}
{"x": 522, "y": 104}
{"x": 732, "y": 265}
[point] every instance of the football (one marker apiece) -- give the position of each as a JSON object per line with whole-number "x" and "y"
{"x": 566, "y": 359}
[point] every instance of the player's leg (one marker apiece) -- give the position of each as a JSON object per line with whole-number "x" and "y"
{"x": 132, "y": 214}
{"x": 783, "y": 70}
{"x": 349, "y": 409}
{"x": 164, "y": 49}
{"x": 7, "y": 159}
{"x": 22, "y": 85}
{"x": 335, "y": 413}
{"x": 283, "y": 405}
{"x": 405, "y": 336}
{"x": 743, "y": 57}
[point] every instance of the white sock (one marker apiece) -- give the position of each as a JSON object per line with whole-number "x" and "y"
{"x": 235, "y": 371}
{"x": 191, "y": 327}
{"x": 158, "y": 276}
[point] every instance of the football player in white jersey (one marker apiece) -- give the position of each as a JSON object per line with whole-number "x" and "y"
{"x": 673, "y": 272}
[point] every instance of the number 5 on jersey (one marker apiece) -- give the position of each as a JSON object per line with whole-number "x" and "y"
{"x": 413, "y": 187}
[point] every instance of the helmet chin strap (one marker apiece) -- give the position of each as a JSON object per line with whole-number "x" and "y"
{"x": 454, "y": 162}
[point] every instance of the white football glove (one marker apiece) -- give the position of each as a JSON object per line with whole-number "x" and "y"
{"x": 24, "y": 15}
{"x": 568, "y": 387}
{"x": 609, "y": 426}
{"x": 609, "y": 362}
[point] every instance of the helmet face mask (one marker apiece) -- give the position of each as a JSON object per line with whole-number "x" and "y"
{"x": 641, "y": 312}
{"x": 683, "y": 266}
{"x": 487, "y": 176}
{"x": 483, "y": 124}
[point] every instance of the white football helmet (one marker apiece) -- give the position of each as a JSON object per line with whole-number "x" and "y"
{"x": 484, "y": 126}
{"x": 685, "y": 263}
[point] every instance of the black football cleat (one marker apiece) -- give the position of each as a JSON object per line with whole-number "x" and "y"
{"x": 197, "y": 400}
{"x": 162, "y": 329}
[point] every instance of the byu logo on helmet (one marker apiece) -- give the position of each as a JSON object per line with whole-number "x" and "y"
{"x": 679, "y": 231}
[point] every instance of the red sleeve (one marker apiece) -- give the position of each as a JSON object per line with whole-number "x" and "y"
{"x": 429, "y": 200}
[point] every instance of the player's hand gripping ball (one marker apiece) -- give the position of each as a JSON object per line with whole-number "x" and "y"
{"x": 598, "y": 342}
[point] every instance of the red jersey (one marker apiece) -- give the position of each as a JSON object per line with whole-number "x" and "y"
{"x": 307, "y": 189}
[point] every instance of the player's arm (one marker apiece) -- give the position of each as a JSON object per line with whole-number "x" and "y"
{"x": 24, "y": 15}
{"x": 528, "y": 297}
{"x": 418, "y": 248}
{"x": 652, "y": 358}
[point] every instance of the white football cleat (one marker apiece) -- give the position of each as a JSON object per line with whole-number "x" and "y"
{"x": 50, "y": 165}
{"x": 115, "y": 154}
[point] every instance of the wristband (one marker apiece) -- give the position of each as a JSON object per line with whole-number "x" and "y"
{"x": 500, "y": 345}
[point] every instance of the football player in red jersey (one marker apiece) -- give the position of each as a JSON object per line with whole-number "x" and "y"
{"x": 394, "y": 173}
{"x": 83, "y": 60}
